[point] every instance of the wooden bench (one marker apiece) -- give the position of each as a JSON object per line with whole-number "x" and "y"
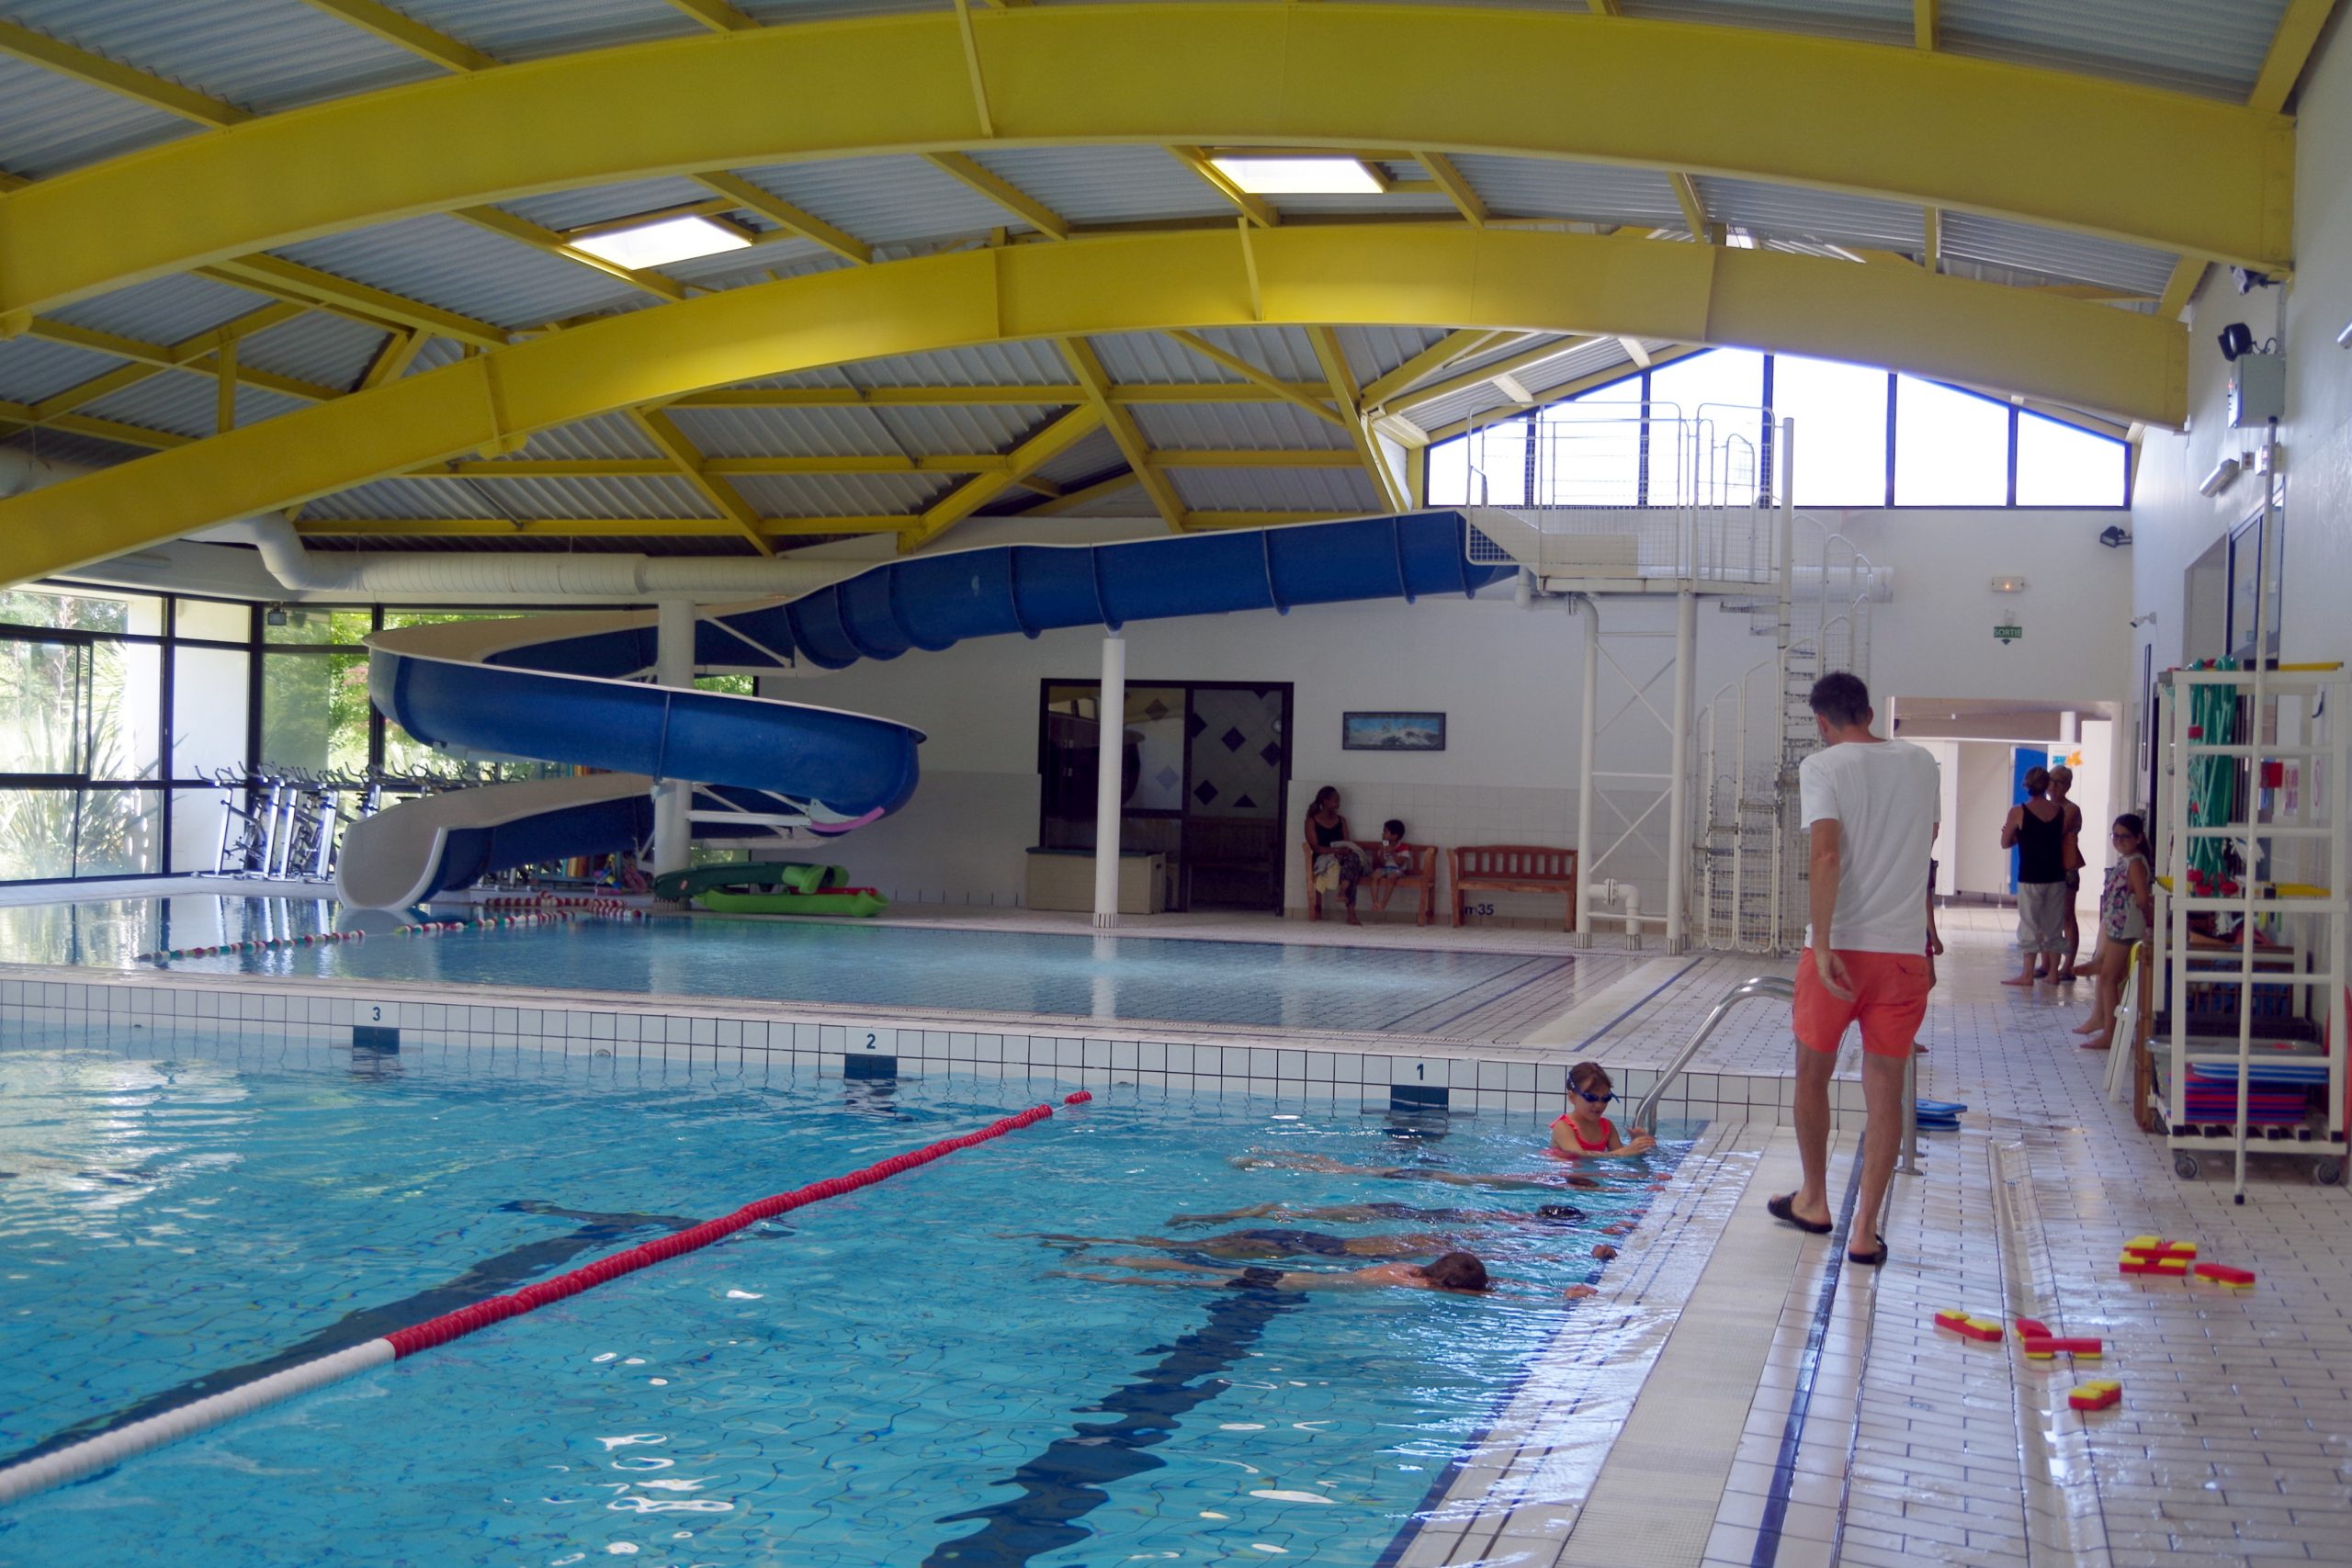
{"x": 1421, "y": 879}
{"x": 1514, "y": 868}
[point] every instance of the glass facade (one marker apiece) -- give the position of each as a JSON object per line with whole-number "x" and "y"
{"x": 124, "y": 718}
{"x": 1695, "y": 430}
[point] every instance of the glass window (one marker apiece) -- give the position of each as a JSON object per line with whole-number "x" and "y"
{"x": 1706, "y": 414}
{"x": 315, "y": 627}
{"x": 126, "y": 710}
{"x": 1952, "y": 448}
{"x": 118, "y": 832}
{"x": 43, "y": 688}
{"x": 1496, "y": 464}
{"x": 315, "y": 710}
{"x": 196, "y": 816}
{"x": 212, "y": 620}
{"x": 1449, "y": 473}
{"x": 2059, "y": 465}
{"x": 394, "y": 619}
{"x": 37, "y": 833}
{"x": 1840, "y": 409}
{"x": 1589, "y": 450}
{"x": 732, "y": 685}
{"x": 83, "y": 610}
{"x": 208, "y": 709}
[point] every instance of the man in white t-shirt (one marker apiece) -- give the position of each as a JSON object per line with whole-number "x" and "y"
{"x": 1872, "y": 806}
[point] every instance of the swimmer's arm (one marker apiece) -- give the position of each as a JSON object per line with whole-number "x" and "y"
{"x": 1255, "y": 1211}
{"x": 1561, "y": 1142}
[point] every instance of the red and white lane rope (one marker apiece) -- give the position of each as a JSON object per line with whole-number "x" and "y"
{"x": 113, "y": 1448}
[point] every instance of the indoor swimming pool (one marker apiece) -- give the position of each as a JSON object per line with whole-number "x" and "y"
{"x": 1440, "y": 994}
{"x": 920, "y": 1372}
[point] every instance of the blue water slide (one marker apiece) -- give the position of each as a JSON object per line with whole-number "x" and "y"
{"x": 563, "y": 690}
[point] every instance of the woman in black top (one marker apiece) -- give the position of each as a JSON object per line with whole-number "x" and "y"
{"x": 2037, "y": 831}
{"x": 1335, "y": 854}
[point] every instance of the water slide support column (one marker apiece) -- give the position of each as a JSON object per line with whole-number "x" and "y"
{"x": 1110, "y": 773}
{"x": 673, "y": 665}
{"x": 1678, "y": 832}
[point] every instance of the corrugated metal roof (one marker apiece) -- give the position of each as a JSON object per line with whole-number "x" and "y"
{"x": 529, "y": 30}
{"x": 2214, "y": 46}
{"x": 1108, "y": 184}
{"x": 1091, "y": 457}
{"x": 784, "y": 432}
{"x": 71, "y": 448}
{"x": 1236, "y": 427}
{"x": 1799, "y": 213}
{"x": 1284, "y": 353}
{"x": 1391, "y": 204}
{"x": 31, "y": 370}
{"x": 1543, "y": 188}
{"x": 332, "y": 351}
{"x": 994, "y": 428}
{"x": 163, "y": 309}
{"x": 403, "y": 498}
{"x": 1154, "y": 359}
{"x": 599, "y": 204}
{"x": 51, "y": 123}
{"x": 607, "y": 435}
{"x": 447, "y": 262}
{"x": 821, "y": 10}
{"x": 1373, "y": 352}
{"x": 1276, "y": 490}
{"x": 186, "y": 404}
{"x": 843, "y": 495}
{"x": 261, "y": 55}
{"x": 983, "y": 365}
{"x": 885, "y": 198}
{"x": 436, "y": 352}
{"x": 1883, "y": 21}
{"x": 763, "y": 263}
{"x": 1587, "y": 360}
{"x": 618, "y": 496}
{"x": 2053, "y": 252}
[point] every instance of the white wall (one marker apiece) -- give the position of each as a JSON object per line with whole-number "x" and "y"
{"x": 1507, "y": 678}
{"x": 1936, "y": 638}
{"x": 2172, "y": 523}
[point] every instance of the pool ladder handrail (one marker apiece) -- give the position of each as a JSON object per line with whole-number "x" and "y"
{"x": 1753, "y": 987}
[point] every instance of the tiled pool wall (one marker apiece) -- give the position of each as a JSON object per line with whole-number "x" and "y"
{"x": 1502, "y": 1080}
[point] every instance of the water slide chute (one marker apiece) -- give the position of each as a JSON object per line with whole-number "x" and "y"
{"x": 566, "y": 689}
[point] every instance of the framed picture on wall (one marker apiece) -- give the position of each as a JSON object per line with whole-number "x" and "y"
{"x": 1392, "y": 732}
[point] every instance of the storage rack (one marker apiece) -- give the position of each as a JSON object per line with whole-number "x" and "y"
{"x": 2284, "y": 757}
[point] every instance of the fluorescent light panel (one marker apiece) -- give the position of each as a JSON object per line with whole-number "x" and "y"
{"x": 1298, "y": 177}
{"x": 660, "y": 243}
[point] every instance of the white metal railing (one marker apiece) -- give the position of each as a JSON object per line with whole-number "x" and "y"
{"x": 1628, "y": 491}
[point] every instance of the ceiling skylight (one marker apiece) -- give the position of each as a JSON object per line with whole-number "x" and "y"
{"x": 661, "y": 242}
{"x": 1262, "y": 176}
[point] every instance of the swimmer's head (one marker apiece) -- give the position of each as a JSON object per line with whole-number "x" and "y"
{"x": 1457, "y": 1271}
{"x": 1565, "y": 1213}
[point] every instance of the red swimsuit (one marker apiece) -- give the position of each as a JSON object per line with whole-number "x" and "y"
{"x": 1608, "y": 1134}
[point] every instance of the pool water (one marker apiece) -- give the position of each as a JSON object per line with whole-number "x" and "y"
{"x": 1241, "y": 984}
{"x": 908, "y": 1374}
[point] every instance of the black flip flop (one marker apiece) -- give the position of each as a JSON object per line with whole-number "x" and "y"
{"x": 1868, "y": 1259}
{"x": 1783, "y": 1209}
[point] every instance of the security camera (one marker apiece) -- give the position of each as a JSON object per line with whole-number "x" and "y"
{"x": 2248, "y": 279}
{"x": 2113, "y": 536}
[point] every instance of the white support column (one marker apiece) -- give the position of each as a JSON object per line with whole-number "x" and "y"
{"x": 1111, "y": 751}
{"x": 1588, "y": 725}
{"x": 1678, "y": 797}
{"x": 673, "y": 665}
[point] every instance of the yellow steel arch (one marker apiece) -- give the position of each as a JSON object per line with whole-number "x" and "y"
{"x": 2160, "y": 168}
{"x": 2086, "y": 355}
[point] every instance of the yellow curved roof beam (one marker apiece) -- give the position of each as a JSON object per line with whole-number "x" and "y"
{"x": 2157, "y": 169}
{"x": 2067, "y": 350}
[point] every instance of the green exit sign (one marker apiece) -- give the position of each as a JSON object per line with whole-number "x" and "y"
{"x": 2009, "y": 634}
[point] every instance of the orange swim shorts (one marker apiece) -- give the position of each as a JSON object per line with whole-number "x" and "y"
{"x": 1890, "y": 1001}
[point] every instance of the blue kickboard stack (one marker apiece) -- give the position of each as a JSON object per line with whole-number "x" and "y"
{"x": 1939, "y": 1115}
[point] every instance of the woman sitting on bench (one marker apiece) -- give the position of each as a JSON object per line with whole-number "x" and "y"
{"x": 1337, "y": 857}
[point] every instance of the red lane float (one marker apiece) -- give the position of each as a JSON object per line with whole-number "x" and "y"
{"x": 81, "y": 1458}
